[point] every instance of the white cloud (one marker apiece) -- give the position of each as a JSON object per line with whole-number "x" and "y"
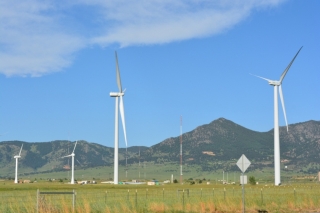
{"x": 33, "y": 42}
{"x": 39, "y": 37}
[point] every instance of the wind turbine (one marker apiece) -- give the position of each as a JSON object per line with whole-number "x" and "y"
{"x": 72, "y": 163}
{"x": 277, "y": 84}
{"x": 116, "y": 132}
{"x": 17, "y": 157}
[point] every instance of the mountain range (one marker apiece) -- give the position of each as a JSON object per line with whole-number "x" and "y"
{"x": 212, "y": 146}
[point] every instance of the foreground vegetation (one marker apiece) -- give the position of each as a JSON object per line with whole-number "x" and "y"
{"x": 163, "y": 198}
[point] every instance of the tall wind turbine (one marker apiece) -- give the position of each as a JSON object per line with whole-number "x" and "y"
{"x": 116, "y": 132}
{"x": 277, "y": 84}
{"x": 17, "y": 157}
{"x": 72, "y": 163}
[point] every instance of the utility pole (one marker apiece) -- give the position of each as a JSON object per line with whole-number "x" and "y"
{"x": 181, "y": 149}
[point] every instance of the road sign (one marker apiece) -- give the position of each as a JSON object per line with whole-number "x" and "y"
{"x": 243, "y": 163}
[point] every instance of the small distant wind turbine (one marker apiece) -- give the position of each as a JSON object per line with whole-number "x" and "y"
{"x": 116, "y": 132}
{"x": 17, "y": 157}
{"x": 72, "y": 163}
{"x": 276, "y": 84}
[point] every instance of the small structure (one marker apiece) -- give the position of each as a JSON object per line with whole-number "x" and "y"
{"x": 153, "y": 182}
{"x": 26, "y": 181}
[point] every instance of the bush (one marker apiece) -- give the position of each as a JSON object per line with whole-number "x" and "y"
{"x": 175, "y": 181}
{"x": 252, "y": 180}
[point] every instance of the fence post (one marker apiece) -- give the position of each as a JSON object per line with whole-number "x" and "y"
{"x": 146, "y": 194}
{"x": 201, "y": 194}
{"x": 73, "y": 200}
{"x": 162, "y": 194}
{"x": 128, "y": 196}
{"x": 233, "y": 191}
{"x": 183, "y": 199}
{"x": 224, "y": 193}
{"x": 136, "y": 198}
{"x": 261, "y": 197}
{"x": 212, "y": 192}
{"x": 37, "y": 200}
{"x": 105, "y": 198}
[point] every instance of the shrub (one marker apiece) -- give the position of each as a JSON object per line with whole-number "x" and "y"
{"x": 252, "y": 180}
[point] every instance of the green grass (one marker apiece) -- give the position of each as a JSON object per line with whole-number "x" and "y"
{"x": 163, "y": 198}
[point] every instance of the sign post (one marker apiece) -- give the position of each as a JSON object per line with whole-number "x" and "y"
{"x": 243, "y": 164}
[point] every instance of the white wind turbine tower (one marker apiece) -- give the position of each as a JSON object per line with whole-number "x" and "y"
{"x": 116, "y": 132}
{"x": 72, "y": 163}
{"x": 277, "y": 84}
{"x": 17, "y": 157}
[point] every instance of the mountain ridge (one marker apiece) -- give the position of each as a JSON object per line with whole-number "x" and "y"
{"x": 212, "y": 146}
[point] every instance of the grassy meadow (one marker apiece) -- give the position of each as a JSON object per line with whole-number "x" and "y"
{"x": 294, "y": 197}
{"x": 297, "y": 194}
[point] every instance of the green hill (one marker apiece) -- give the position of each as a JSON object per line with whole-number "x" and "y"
{"x": 210, "y": 147}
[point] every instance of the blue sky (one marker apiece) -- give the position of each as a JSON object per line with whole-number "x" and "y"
{"x": 189, "y": 58}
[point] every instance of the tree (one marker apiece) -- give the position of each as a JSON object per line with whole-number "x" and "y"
{"x": 252, "y": 180}
{"x": 175, "y": 181}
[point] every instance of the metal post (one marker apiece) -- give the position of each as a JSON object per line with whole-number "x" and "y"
{"x": 224, "y": 193}
{"x": 243, "y": 200}
{"x": 183, "y": 199}
{"x": 261, "y": 197}
{"x": 201, "y": 194}
{"x": 105, "y": 198}
{"x": 73, "y": 200}
{"x": 37, "y": 200}
{"x": 146, "y": 194}
{"x": 162, "y": 194}
{"x": 128, "y": 196}
{"x": 136, "y": 198}
{"x": 212, "y": 192}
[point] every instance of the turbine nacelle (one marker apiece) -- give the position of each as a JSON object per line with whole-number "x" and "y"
{"x": 71, "y": 155}
{"x": 17, "y": 156}
{"x": 274, "y": 83}
{"x": 116, "y": 94}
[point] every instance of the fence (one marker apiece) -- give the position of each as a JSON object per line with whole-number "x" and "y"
{"x": 149, "y": 199}
{"x": 44, "y": 205}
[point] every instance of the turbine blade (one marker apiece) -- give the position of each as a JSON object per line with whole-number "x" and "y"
{"x": 288, "y": 67}
{"x": 20, "y": 150}
{"x": 118, "y": 74}
{"x": 79, "y": 163}
{"x": 66, "y": 156}
{"x": 74, "y": 146}
{"x": 261, "y": 77}
{"x": 123, "y": 120}
{"x": 283, "y": 108}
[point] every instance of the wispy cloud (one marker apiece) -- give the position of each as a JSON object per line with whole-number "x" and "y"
{"x": 39, "y": 37}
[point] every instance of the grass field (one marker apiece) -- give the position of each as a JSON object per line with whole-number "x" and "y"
{"x": 163, "y": 198}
